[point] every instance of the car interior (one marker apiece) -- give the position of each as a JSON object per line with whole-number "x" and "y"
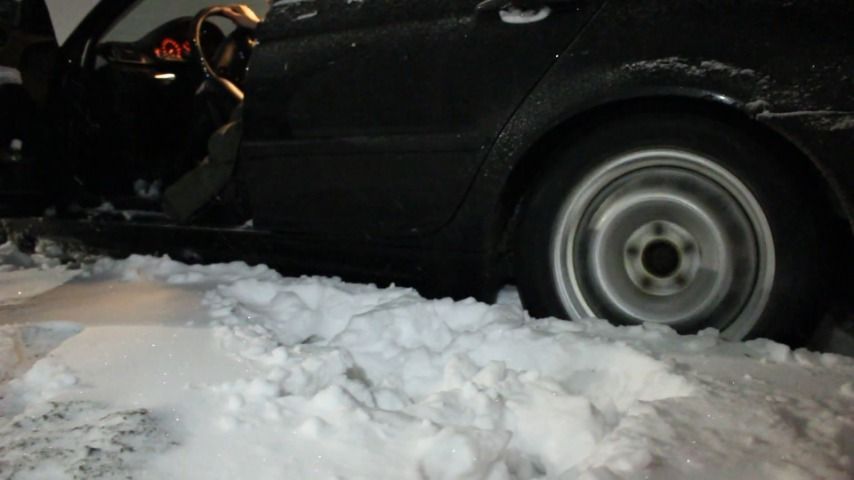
{"x": 148, "y": 103}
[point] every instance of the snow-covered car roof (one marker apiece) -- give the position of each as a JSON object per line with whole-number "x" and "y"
{"x": 65, "y": 15}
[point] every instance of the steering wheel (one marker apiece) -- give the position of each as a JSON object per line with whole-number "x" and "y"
{"x": 225, "y": 62}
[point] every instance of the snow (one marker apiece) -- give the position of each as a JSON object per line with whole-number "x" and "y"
{"x": 768, "y": 100}
{"x": 9, "y": 75}
{"x": 150, "y": 368}
{"x": 148, "y": 190}
{"x": 696, "y": 68}
{"x": 829, "y": 120}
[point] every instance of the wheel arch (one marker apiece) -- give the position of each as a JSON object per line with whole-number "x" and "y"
{"x": 538, "y": 156}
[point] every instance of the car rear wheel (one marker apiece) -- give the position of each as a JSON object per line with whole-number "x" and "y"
{"x": 670, "y": 219}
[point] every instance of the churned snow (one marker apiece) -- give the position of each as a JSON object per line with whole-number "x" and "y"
{"x": 149, "y": 368}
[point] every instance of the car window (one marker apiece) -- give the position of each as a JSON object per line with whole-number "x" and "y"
{"x": 146, "y": 15}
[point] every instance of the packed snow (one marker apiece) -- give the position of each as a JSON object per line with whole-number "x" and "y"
{"x": 150, "y": 368}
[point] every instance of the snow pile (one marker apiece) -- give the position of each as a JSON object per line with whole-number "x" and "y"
{"x": 486, "y": 382}
{"x": 246, "y": 374}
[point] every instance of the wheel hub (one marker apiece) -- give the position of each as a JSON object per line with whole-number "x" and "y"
{"x": 661, "y": 258}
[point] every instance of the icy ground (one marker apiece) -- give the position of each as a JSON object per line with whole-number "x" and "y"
{"x": 148, "y": 368}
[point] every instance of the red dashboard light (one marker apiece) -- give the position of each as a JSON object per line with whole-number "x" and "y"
{"x": 170, "y": 49}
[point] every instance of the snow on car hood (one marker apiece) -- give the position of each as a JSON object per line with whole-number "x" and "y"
{"x": 66, "y": 15}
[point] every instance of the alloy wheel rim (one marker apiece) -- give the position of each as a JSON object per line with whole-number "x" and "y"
{"x": 664, "y": 236}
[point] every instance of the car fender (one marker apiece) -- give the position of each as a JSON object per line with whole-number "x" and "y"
{"x": 753, "y": 69}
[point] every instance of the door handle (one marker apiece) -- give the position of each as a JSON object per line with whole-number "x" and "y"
{"x": 496, "y": 5}
{"x": 493, "y": 5}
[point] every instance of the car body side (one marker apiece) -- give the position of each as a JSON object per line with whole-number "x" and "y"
{"x": 373, "y": 118}
{"x": 783, "y": 69}
{"x": 787, "y": 67}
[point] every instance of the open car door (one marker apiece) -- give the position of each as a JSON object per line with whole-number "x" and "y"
{"x": 28, "y": 53}
{"x": 132, "y": 103}
{"x": 138, "y": 100}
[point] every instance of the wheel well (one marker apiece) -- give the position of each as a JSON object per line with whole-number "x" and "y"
{"x": 539, "y": 158}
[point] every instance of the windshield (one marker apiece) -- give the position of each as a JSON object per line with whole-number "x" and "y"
{"x": 66, "y": 15}
{"x": 146, "y": 15}
{"x": 143, "y": 17}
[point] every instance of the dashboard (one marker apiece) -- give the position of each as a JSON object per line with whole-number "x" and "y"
{"x": 170, "y": 42}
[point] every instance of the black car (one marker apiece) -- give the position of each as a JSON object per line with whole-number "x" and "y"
{"x": 680, "y": 162}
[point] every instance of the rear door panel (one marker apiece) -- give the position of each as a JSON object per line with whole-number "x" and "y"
{"x": 373, "y": 116}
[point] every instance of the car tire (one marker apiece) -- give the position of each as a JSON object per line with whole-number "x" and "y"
{"x": 672, "y": 219}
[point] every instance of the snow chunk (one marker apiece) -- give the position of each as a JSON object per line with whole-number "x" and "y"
{"x": 463, "y": 454}
{"x": 767, "y": 350}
